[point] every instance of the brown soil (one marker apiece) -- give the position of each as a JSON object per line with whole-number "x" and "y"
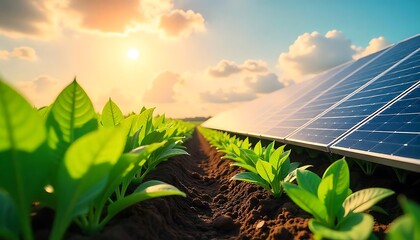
{"x": 217, "y": 208}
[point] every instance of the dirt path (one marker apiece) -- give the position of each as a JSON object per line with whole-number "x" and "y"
{"x": 215, "y": 207}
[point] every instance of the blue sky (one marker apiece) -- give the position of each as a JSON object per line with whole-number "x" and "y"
{"x": 196, "y": 57}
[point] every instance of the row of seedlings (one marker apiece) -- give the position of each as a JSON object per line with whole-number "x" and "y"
{"x": 337, "y": 212}
{"x": 77, "y": 162}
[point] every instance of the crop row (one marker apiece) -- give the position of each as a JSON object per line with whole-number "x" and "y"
{"x": 338, "y": 213}
{"x": 85, "y": 166}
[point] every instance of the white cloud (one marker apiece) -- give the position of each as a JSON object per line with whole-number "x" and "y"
{"x": 376, "y": 44}
{"x": 264, "y": 83}
{"x": 225, "y": 68}
{"x": 39, "y": 90}
{"x": 39, "y": 19}
{"x": 312, "y": 53}
{"x": 162, "y": 90}
{"x": 25, "y": 53}
{"x": 227, "y": 96}
{"x": 179, "y": 23}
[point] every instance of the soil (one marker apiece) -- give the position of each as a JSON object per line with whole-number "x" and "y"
{"x": 217, "y": 208}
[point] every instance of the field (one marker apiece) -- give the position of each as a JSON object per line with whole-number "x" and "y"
{"x": 217, "y": 208}
{"x": 73, "y": 173}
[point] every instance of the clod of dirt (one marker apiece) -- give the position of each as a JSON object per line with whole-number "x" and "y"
{"x": 224, "y": 223}
{"x": 197, "y": 203}
{"x": 261, "y": 225}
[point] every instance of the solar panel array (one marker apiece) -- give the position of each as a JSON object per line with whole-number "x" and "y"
{"x": 367, "y": 109}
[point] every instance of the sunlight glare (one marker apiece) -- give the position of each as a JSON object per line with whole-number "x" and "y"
{"x": 133, "y": 53}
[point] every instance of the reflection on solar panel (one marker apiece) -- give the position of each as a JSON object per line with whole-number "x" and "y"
{"x": 369, "y": 109}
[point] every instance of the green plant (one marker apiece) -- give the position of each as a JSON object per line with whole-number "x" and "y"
{"x": 367, "y": 167}
{"x": 338, "y": 213}
{"x": 408, "y": 225}
{"x": 23, "y": 149}
{"x": 401, "y": 174}
{"x": 267, "y": 167}
{"x": 63, "y": 158}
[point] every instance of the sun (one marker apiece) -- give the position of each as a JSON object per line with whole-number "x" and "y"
{"x": 133, "y": 53}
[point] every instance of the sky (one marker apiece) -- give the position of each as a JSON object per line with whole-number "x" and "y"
{"x": 188, "y": 58}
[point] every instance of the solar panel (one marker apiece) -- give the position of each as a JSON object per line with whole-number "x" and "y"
{"x": 318, "y": 100}
{"x": 367, "y": 109}
{"x": 394, "y": 133}
{"x": 367, "y": 99}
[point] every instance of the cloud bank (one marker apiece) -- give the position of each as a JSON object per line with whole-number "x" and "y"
{"x": 181, "y": 23}
{"x": 225, "y": 68}
{"x": 39, "y": 19}
{"x": 25, "y": 53}
{"x": 312, "y": 53}
{"x": 162, "y": 90}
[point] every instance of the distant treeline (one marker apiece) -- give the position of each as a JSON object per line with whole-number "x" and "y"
{"x": 195, "y": 119}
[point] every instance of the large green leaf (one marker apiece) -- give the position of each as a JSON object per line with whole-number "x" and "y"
{"x": 306, "y": 200}
{"x": 308, "y": 181}
{"x": 355, "y": 226}
{"x": 364, "y": 199}
{"x": 84, "y": 173}
{"x": 71, "y": 116}
{"x": 334, "y": 188}
{"x": 251, "y": 178}
{"x": 111, "y": 114}
{"x": 21, "y": 127}
{"x": 265, "y": 170}
{"x": 147, "y": 190}
{"x": 24, "y": 165}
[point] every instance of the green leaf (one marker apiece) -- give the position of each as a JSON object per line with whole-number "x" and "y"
{"x": 269, "y": 150}
{"x": 413, "y": 209}
{"x": 147, "y": 190}
{"x": 245, "y": 166}
{"x": 334, "y": 188}
{"x": 22, "y": 150}
{"x": 111, "y": 114}
{"x": 278, "y": 157}
{"x": 308, "y": 181}
{"x": 144, "y": 122}
{"x": 249, "y": 156}
{"x": 354, "y": 226}
{"x": 265, "y": 170}
{"x": 21, "y": 127}
{"x": 364, "y": 199}
{"x": 403, "y": 228}
{"x": 72, "y": 115}
{"x": 245, "y": 144}
{"x": 84, "y": 174}
{"x": 408, "y": 225}
{"x": 9, "y": 224}
{"x": 258, "y": 149}
{"x": 251, "y": 178}
{"x": 306, "y": 200}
